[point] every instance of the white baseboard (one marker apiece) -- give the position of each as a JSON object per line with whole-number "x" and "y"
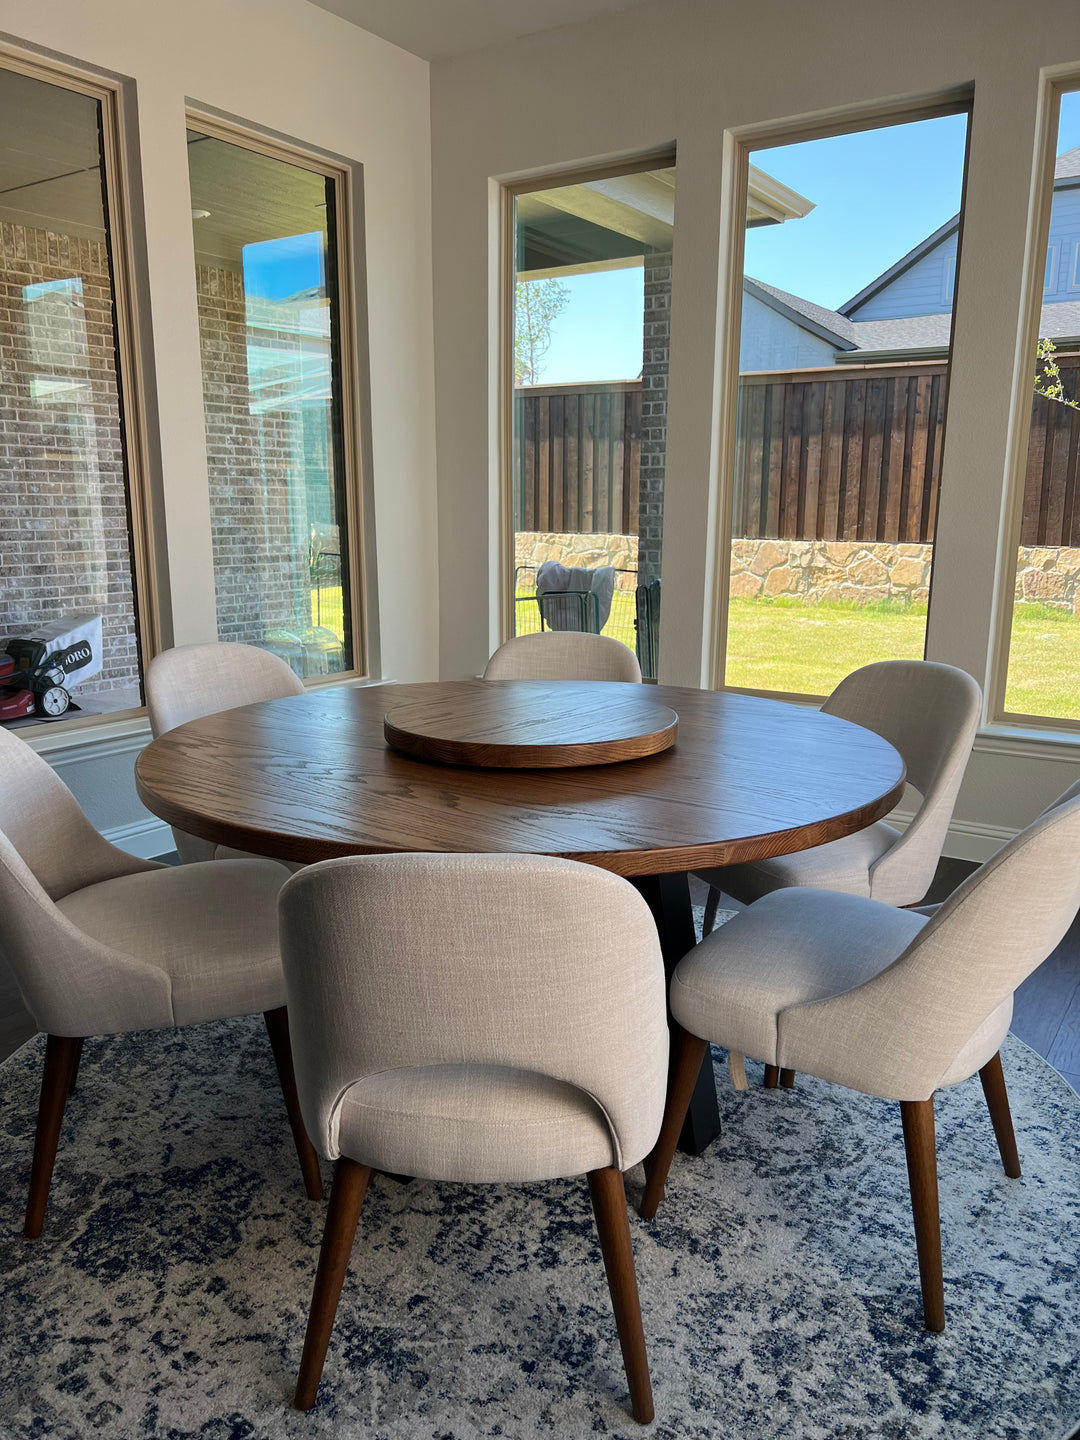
{"x": 967, "y": 839}
{"x": 147, "y": 838}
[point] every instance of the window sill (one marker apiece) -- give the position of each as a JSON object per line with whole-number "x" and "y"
{"x": 1035, "y": 742}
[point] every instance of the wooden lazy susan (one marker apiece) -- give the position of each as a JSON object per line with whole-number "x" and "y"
{"x": 532, "y": 725}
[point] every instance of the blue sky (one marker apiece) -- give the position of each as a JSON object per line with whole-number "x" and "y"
{"x": 877, "y": 194}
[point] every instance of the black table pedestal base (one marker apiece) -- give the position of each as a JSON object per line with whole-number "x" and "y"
{"x": 668, "y": 897}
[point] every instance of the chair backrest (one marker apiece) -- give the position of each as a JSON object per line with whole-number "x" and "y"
{"x": 398, "y": 961}
{"x": 587, "y": 595}
{"x": 49, "y": 849}
{"x": 194, "y": 680}
{"x": 906, "y": 1026}
{"x": 930, "y": 712}
{"x": 190, "y": 681}
{"x": 559, "y": 655}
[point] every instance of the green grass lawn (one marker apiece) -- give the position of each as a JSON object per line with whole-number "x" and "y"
{"x": 807, "y": 649}
{"x": 787, "y": 645}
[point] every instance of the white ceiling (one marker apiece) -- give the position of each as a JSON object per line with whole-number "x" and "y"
{"x": 437, "y": 28}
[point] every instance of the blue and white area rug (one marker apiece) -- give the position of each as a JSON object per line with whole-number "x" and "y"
{"x": 168, "y": 1295}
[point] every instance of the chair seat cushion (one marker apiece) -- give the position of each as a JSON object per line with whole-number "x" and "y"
{"x": 791, "y": 947}
{"x": 842, "y": 865}
{"x": 473, "y": 1123}
{"x": 211, "y": 927}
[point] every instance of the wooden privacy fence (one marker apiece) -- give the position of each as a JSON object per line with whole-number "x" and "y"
{"x": 842, "y": 453}
{"x": 1052, "y": 483}
{"x": 577, "y": 457}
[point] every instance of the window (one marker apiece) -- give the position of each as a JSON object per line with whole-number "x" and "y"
{"x": 1050, "y": 271}
{"x": 843, "y": 373}
{"x": 69, "y": 600}
{"x": 268, "y": 232}
{"x": 1043, "y": 673}
{"x": 591, "y": 318}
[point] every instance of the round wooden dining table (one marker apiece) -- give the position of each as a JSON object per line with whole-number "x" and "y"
{"x": 311, "y": 776}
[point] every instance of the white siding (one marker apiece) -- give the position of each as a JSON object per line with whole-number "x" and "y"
{"x": 920, "y": 290}
{"x": 1065, "y": 234}
{"x": 770, "y": 341}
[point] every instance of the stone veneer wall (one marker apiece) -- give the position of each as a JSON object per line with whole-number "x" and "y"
{"x": 589, "y": 551}
{"x": 65, "y": 541}
{"x": 830, "y": 570}
{"x": 654, "y": 396}
{"x": 833, "y": 570}
{"x": 1050, "y": 575}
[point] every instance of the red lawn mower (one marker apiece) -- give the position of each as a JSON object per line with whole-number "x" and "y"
{"x": 36, "y": 670}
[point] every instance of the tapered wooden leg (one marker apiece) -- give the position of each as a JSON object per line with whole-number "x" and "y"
{"x": 689, "y": 1053}
{"x": 920, "y": 1146}
{"x": 787, "y": 1079}
{"x": 613, "y": 1227}
{"x": 61, "y": 1058}
{"x": 277, "y": 1027}
{"x": 342, "y": 1214}
{"x": 712, "y": 905}
{"x": 736, "y": 1065}
{"x": 75, "y": 1068}
{"x": 997, "y": 1102}
{"x": 772, "y": 1076}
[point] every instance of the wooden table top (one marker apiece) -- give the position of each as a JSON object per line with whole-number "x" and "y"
{"x": 310, "y": 777}
{"x": 520, "y": 725}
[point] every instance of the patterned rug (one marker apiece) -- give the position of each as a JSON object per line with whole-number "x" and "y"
{"x": 168, "y": 1294}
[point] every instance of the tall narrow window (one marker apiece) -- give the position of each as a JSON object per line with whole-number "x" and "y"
{"x": 69, "y": 639}
{"x": 843, "y": 373}
{"x": 1044, "y": 645}
{"x": 592, "y": 306}
{"x": 270, "y": 330}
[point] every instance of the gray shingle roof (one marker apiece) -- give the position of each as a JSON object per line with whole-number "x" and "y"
{"x": 831, "y": 322}
{"x": 1068, "y": 165}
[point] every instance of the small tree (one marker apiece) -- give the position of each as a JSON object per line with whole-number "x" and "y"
{"x": 1048, "y": 376}
{"x": 537, "y": 305}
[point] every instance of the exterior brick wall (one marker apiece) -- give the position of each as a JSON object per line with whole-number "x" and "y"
{"x": 654, "y": 395}
{"x": 258, "y": 505}
{"x": 65, "y": 540}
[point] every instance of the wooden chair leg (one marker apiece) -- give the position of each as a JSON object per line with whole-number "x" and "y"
{"x": 342, "y": 1215}
{"x": 613, "y": 1227}
{"x": 997, "y": 1102}
{"x": 61, "y": 1059}
{"x": 772, "y": 1076}
{"x": 787, "y": 1079}
{"x": 689, "y": 1055}
{"x": 75, "y": 1068}
{"x": 712, "y": 905}
{"x": 920, "y": 1147}
{"x": 277, "y": 1027}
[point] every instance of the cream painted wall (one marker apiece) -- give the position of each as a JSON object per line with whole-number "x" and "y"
{"x": 292, "y": 68}
{"x": 688, "y": 71}
{"x": 289, "y": 67}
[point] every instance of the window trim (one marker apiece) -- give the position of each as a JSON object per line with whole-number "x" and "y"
{"x": 1053, "y": 84}
{"x": 505, "y": 275}
{"x": 347, "y": 177}
{"x": 131, "y": 313}
{"x": 738, "y": 145}
{"x": 1051, "y": 264}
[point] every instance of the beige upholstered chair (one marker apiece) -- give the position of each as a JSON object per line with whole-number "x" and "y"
{"x": 563, "y": 655}
{"x": 930, "y": 712}
{"x": 101, "y": 943}
{"x": 195, "y": 680}
{"x": 886, "y": 1001}
{"x": 444, "y": 1026}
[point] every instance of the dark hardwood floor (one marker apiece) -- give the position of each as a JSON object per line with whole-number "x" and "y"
{"x": 1046, "y": 1014}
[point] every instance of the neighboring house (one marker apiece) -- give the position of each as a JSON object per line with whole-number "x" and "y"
{"x": 907, "y": 311}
